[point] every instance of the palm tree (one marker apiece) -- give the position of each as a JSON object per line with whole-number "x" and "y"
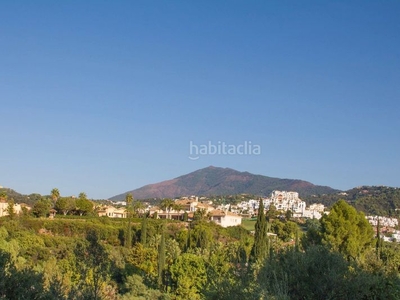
{"x": 167, "y": 204}
{"x": 200, "y": 214}
{"x": 129, "y": 198}
{"x": 55, "y": 194}
{"x": 178, "y": 207}
{"x": 138, "y": 207}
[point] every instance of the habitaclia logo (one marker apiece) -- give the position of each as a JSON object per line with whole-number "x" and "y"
{"x": 222, "y": 148}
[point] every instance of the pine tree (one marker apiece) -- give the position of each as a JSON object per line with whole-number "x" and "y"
{"x": 260, "y": 247}
{"x": 161, "y": 261}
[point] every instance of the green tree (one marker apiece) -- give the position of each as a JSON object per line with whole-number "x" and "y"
{"x": 3, "y": 196}
{"x": 84, "y": 206}
{"x": 260, "y": 248}
{"x": 41, "y": 208}
{"x": 288, "y": 215}
{"x": 135, "y": 289}
{"x": 64, "y": 205}
{"x": 221, "y": 274}
{"x": 10, "y": 209}
{"x": 178, "y": 208}
{"x": 137, "y": 208}
{"x": 167, "y": 205}
{"x": 379, "y": 241}
{"x": 143, "y": 232}
{"x": 312, "y": 237}
{"x": 161, "y": 261}
{"x": 93, "y": 264}
{"x": 200, "y": 214}
{"x": 321, "y": 274}
{"x": 55, "y": 194}
{"x": 189, "y": 275}
{"x": 286, "y": 231}
{"x": 346, "y": 231}
{"x": 201, "y": 235}
{"x": 128, "y": 237}
{"x": 185, "y": 216}
{"x": 272, "y": 212}
{"x": 22, "y": 284}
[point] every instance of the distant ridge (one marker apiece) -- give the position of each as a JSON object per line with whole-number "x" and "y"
{"x": 223, "y": 181}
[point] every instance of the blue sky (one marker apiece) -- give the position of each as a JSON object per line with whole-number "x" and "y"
{"x": 106, "y": 96}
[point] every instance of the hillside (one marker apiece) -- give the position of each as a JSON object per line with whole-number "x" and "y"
{"x": 19, "y": 198}
{"x": 223, "y": 181}
{"x": 372, "y": 200}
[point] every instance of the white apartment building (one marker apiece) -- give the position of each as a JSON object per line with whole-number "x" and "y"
{"x": 284, "y": 201}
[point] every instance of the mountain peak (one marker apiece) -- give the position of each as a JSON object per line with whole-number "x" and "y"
{"x": 213, "y": 180}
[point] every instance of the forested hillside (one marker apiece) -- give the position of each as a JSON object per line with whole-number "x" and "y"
{"x": 372, "y": 200}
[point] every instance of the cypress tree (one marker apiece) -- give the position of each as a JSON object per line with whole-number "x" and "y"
{"x": 185, "y": 217}
{"x": 260, "y": 247}
{"x": 143, "y": 232}
{"x": 188, "y": 244}
{"x": 161, "y": 261}
{"x": 296, "y": 245}
{"x": 378, "y": 242}
{"x": 128, "y": 238}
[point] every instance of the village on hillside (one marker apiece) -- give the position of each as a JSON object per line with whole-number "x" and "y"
{"x": 225, "y": 215}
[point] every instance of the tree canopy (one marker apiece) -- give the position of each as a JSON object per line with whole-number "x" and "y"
{"x": 345, "y": 230}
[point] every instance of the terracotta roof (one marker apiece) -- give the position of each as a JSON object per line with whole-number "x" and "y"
{"x": 221, "y": 213}
{"x": 184, "y": 202}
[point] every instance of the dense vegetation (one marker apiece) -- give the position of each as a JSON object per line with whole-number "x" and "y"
{"x": 74, "y": 257}
{"x": 372, "y": 200}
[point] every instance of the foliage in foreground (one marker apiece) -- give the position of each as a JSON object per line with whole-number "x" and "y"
{"x": 91, "y": 259}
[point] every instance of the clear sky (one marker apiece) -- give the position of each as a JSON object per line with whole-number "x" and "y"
{"x": 106, "y": 96}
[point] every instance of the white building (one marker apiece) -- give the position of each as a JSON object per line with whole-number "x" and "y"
{"x": 225, "y": 218}
{"x": 4, "y": 208}
{"x": 312, "y": 214}
{"x": 112, "y": 212}
{"x": 317, "y": 207}
{"x": 284, "y": 201}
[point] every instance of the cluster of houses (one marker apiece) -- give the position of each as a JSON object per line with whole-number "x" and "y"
{"x": 229, "y": 215}
{"x": 184, "y": 206}
{"x": 386, "y": 227}
{"x": 283, "y": 201}
{"x": 224, "y": 215}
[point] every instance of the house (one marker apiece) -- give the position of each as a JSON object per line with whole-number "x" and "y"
{"x": 225, "y": 218}
{"x": 17, "y": 208}
{"x": 112, "y": 212}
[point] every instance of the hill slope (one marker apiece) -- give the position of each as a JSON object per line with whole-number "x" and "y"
{"x": 223, "y": 181}
{"x": 372, "y": 200}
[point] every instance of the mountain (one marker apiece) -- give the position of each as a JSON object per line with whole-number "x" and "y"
{"x": 223, "y": 181}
